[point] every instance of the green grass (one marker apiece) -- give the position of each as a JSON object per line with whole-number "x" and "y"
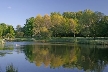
{"x": 63, "y": 39}
{"x": 23, "y": 39}
{"x": 97, "y": 41}
{"x": 81, "y": 40}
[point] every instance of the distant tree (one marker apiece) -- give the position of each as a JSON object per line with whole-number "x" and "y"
{"x": 19, "y": 31}
{"x": 18, "y": 28}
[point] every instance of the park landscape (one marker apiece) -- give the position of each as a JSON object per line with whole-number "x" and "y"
{"x": 70, "y": 40}
{"x": 82, "y": 27}
{"x": 53, "y": 36}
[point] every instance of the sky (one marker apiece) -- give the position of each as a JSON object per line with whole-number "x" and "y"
{"x": 15, "y": 12}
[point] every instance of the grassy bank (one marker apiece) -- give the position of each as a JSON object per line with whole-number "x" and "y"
{"x": 79, "y": 40}
{"x": 82, "y": 40}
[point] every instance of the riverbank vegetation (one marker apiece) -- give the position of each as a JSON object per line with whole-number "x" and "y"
{"x": 85, "y": 23}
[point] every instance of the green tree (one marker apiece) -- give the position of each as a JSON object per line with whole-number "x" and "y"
{"x": 19, "y": 31}
{"x": 10, "y": 32}
{"x": 70, "y": 15}
{"x": 95, "y": 27}
{"x": 85, "y": 21}
{"x": 3, "y": 28}
{"x": 28, "y": 27}
{"x": 1, "y": 31}
{"x": 73, "y": 23}
{"x": 18, "y": 28}
{"x": 103, "y": 27}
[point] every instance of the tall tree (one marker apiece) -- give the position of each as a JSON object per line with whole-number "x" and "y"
{"x": 38, "y": 23}
{"x": 73, "y": 23}
{"x": 47, "y": 21}
{"x": 28, "y": 28}
{"x": 57, "y": 24}
{"x": 85, "y": 22}
{"x": 95, "y": 26}
{"x": 10, "y": 32}
{"x": 4, "y": 28}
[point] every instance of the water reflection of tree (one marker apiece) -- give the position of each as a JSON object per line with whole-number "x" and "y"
{"x": 69, "y": 56}
{"x": 11, "y": 68}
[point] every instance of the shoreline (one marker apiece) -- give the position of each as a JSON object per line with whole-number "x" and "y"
{"x": 78, "y": 40}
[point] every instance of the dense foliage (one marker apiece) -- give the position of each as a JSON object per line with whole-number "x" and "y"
{"x": 6, "y": 31}
{"x": 82, "y": 23}
{"x": 68, "y": 24}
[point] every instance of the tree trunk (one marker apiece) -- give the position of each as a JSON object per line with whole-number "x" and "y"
{"x": 75, "y": 40}
{"x": 74, "y": 35}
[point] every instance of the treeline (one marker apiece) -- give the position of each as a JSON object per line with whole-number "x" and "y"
{"x": 82, "y": 23}
{"x": 85, "y": 23}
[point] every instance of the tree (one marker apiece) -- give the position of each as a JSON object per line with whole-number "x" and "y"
{"x": 3, "y": 28}
{"x": 47, "y": 21}
{"x": 28, "y": 28}
{"x": 18, "y": 28}
{"x": 103, "y": 27}
{"x": 10, "y": 32}
{"x": 6, "y": 31}
{"x": 38, "y": 23}
{"x": 55, "y": 13}
{"x": 73, "y": 23}
{"x": 19, "y": 31}
{"x": 96, "y": 26}
{"x": 1, "y": 31}
{"x": 85, "y": 22}
{"x": 69, "y": 15}
{"x": 58, "y": 23}
{"x": 45, "y": 30}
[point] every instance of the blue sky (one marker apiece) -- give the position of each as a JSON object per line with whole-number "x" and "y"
{"x": 14, "y": 12}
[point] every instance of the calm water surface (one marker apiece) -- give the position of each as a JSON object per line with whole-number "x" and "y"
{"x": 47, "y": 57}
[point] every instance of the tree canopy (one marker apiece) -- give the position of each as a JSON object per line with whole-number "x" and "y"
{"x": 85, "y": 23}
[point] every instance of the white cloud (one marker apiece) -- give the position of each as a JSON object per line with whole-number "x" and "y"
{"x": 9, "y": 7}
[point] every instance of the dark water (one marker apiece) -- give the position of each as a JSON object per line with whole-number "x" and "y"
{"x": 45, "y": 57}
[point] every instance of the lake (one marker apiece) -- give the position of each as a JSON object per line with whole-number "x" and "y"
{"x": 53, "y": 57}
